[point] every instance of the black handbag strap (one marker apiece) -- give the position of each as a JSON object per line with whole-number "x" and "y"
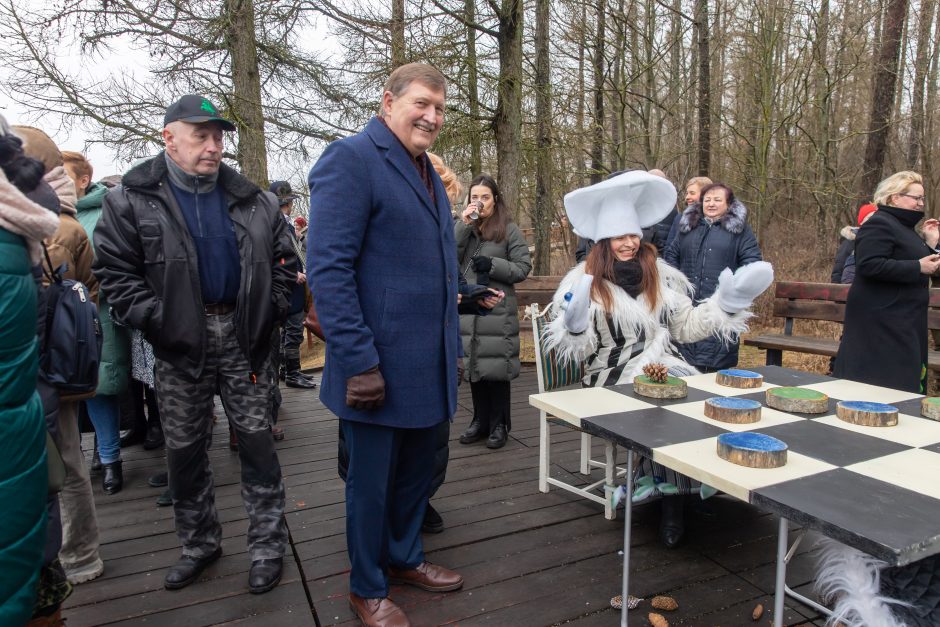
{"x": 51, "y": 273}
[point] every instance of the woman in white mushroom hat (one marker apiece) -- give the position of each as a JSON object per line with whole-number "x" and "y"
{"x": 624, "y": 308}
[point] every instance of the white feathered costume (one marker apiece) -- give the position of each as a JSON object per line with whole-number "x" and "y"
{"x": 618, "y": 344}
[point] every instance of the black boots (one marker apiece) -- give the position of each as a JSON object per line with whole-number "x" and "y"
{"x": 154, "y": 437}
{"x": 432, "y": 523}
{"x": 474, "y": 433}
{"x": 95, "y": 458}
{"x": 264, "y": 575}
{"x": 478, "y": 431}
{"x": 498, "y": 437}
{"x": 187, "y": 569}
{"x": 113, "y": 479}
{"x": 671, "y": 521}
{"x": 294, "y": 378}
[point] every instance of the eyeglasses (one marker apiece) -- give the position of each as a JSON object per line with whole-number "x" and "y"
{"x": 915, "y": 198}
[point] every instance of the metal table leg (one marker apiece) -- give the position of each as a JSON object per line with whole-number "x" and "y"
{"x": 781, "y": 582}
{"x": 627, "y": 521}
{"x": 822, "y": 609}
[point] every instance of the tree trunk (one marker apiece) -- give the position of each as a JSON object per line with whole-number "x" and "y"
{"x": 476, "y": 150}
{"x": 929, "y": 124}
{"x": 822, "y": 97}
{"x": 542, "y": 220}
{"x": 597, "y": 143}
{"x": 921, "y": 61}
{"x": 245, "y": 102}
{"x": 508, "y": 119}
{"x": 397, "y": 28}
{"x": 582, "y": 91}
{"x": 885, "y": 82}
{"x": 651, "y": 152}
{"x": 704, "y": 89}
{"x": 618, "y": 117}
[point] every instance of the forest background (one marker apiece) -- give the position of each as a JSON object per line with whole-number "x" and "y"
{"x": 801, "y": 106}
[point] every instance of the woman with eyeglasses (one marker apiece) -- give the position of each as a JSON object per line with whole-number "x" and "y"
{"x": 884, "y": 340}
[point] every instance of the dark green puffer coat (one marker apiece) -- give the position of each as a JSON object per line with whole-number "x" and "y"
{"x": 114, "y": 369}
{"x": 491, "y": 342}
{"x": 23, "y": 474}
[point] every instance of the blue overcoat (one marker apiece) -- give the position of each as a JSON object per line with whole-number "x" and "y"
{"x": 382, "y": 269}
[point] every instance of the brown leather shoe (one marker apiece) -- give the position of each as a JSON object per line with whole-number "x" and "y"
{"x": 378, "y": 612}
{"x": 427, "y": 576}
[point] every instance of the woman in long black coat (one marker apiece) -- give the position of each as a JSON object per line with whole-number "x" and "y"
{"x": 884, "y": 341}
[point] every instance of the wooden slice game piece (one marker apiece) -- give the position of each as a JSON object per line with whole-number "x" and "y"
{"x": 798, "y": 400}
{"x": 753, "y": 450}
{"x": 737, "y": 411}
{"x": 867, "y": 414}
{"x": 930, "y": 408}
{"x": 734, "y": 378}
{"x": 672, "y": 388}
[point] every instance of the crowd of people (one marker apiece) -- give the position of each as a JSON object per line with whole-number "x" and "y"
{"x": 203, "y": 283}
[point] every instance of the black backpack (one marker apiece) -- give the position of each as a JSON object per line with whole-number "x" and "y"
{"x": 70, "y": 349}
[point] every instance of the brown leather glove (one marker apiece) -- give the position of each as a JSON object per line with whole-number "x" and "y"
{"x": 366, "y": 390}
{"x": 459, "y": 371}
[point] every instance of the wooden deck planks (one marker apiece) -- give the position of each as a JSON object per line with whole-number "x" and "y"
{"x": 527, "y": 557}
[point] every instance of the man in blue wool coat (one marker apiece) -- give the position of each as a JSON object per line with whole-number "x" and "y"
{"x": 382, "y": 268}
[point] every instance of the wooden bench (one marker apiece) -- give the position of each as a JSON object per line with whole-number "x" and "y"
{"x": 820, "y": 301}
{"x": 537, "y": 289}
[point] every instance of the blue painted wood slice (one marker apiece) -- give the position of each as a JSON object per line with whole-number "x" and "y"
{"x": 867, "y": 414}
{"x": 735, "y": 378}
{"x": 753, "y": 450}
{"x": 732, "y": 410}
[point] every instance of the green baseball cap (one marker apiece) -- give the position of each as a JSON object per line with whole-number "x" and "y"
{"x": 195, "y": 109}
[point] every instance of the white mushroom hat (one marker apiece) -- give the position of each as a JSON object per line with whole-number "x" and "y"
{"x": 621, "y": 205}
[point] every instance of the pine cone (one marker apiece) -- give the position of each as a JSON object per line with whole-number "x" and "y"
{"x": 657, "y": 620}
{"x": 664, "y": 603}
{"x": 657, "y": 373}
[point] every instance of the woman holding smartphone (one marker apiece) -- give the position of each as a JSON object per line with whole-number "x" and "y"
{"x": 491, "y": 250}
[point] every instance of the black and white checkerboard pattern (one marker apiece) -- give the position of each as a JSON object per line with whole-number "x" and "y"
{"x": 874, "y": 488}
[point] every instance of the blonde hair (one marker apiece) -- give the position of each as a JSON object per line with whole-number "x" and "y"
{"x": 700, "y": 181}
{"x": 895, "y": 184}
{"x": 79, "y": 163}
{"x": 451, "y": 184}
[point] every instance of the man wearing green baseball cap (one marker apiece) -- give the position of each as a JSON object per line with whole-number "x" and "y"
{"x": 198, "y": 258}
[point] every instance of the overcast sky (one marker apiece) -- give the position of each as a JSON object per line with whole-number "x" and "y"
{"x": 124, "y": 59}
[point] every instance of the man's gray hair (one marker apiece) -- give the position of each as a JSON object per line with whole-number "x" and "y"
{"x": 404, "y": 75}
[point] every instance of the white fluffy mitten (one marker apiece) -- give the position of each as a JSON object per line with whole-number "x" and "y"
{"x": 577, "y": 317}
{"x": 737, "y": 291}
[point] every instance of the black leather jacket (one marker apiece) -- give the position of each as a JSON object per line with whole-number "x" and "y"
{"x": 146, "y": 261}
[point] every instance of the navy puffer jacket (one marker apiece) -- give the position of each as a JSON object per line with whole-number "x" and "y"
{"x": 701, "y": 251}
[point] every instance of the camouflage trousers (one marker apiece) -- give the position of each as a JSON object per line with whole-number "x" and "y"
{"x": 186, "y": 413}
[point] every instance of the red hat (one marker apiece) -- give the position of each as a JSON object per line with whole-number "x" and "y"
{"x": 864, "y": 211}
{"x": 300, "y": 221}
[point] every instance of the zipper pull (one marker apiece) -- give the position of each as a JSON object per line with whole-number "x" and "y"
{"x": 81, "y": 293}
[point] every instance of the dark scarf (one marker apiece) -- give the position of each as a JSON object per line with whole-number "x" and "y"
{"x": 905, "y": 216}
{"x": 628, "y": 275}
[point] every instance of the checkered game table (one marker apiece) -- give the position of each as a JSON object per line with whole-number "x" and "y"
{"x": 872, "y": 488}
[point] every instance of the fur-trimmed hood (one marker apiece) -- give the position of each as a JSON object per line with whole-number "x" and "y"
{"x": 732, "y": 221}
{"x": 147, "y": 175}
